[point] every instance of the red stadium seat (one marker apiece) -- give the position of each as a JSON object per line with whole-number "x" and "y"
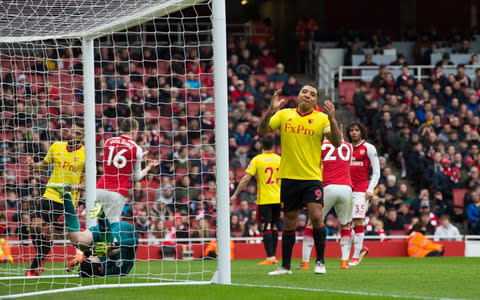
{"x": 269, "y": 71}
{"x": 397, "y": 232}
{"x": 263, "y": 78}
{"x": 279, "y": 85}
{"x": 193, "y": 108}
{"x": 459, "y": 200}
{"x": 346, "y": 90}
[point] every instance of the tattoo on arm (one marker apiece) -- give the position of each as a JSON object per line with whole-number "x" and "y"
{"x": 264, "y": 127}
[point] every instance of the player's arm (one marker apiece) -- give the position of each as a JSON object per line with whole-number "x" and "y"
{"x": 41, "y": 165}
{"x": 375, "y": 164}
{"x": 138, "y": 173}
{"x": 81, "y": 186}
{"x": 241, "y": 186}
{"x": 334, "y": 135}
{"x": 264, "y": 127}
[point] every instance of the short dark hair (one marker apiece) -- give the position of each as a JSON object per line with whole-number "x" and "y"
{"x": 267, "y": 142}
{"x": 89, "y": 268}
{"x": 363, "y": 130}
{"x": 129, "y": 125}
{"x": 79, "y": 123}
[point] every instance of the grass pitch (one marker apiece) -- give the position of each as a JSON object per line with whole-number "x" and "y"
{"x": 427, "y": 278}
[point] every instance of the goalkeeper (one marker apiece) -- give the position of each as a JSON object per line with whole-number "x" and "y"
{"x": 110, "y": 248}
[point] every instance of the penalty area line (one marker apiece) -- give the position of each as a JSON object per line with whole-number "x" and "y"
{"x": 346, "y": 292}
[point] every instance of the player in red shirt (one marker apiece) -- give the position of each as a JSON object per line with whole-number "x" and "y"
{"x": 122, "y": 158}
{"x": 338, "y": 194}
{"x": 364, "y": 157}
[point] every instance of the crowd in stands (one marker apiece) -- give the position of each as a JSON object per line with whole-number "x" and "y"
{"x": 430, "y": 130}
{"x": 170, "y": 92}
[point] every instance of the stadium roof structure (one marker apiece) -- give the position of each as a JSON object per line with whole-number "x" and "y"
{"x": 30, "y": 20}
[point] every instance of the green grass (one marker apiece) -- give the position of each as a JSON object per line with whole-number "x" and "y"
{"x": 425, "y": 278}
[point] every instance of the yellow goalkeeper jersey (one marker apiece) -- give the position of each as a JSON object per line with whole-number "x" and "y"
{"x": 68, "y": 166}
{"x": 301, "y": 139}
{"x": 266, "y": 166}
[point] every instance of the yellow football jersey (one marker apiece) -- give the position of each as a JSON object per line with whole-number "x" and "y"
{"x": 301, "y": 138}
{"x": 266, "y": 166}
{"x": 68, "y": 166}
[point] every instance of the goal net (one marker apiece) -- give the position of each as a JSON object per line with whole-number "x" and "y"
{"x": 153, "y": 62}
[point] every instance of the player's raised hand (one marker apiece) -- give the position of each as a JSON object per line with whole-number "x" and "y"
{"x": 153, "y": 163}
{"x": 276, "y": 102}
{"x": 144, "y": 154}
{"x": 329, "y": 109}
{"x": 29, "y": 161}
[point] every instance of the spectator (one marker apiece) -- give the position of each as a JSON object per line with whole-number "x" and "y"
{"x": 473, "y": 213}
{"x": 202, "y": 230}
{"x": 240, "y": 160}
{"x": 400, "y": 61}
{"x": 368, "y": 61}
{"x": 393, "y": 222}
{"x": 329, "y": 223}
{"x": 265, "y": 60}
{"x": 291, "y": 87}
{"x": 236, "y": 228}
{"x": 425, "y": 221}
{"x": 379, "y": 79}
{"x": 446, "y": 231}
{"x": 240, "y": 93}
{"x": 242, "y": 138}
{"x": 142, "y": 224}
{"x": 250, "y": 194}
{"x": 243, "y": 212}
{"x": 279, "y": 75}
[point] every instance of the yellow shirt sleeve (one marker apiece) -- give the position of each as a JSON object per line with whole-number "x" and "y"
{"x": 49, "y": 157}
{"x": 275, "y": 121}
{"x": 252, "y": 167}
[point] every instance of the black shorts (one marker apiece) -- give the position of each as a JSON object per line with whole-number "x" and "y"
{"x": 294, "y": 194}
{"x": 268, "y": 213}
{"x": 50, "y": 211}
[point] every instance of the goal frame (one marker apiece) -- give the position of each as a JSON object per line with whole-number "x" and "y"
{"x": 223, "y": 273}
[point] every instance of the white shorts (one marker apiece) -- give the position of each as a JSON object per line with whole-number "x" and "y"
{"x": 339, "y": 197}
{"x": 360, "y": 205}
{"x": 113, "y": 203}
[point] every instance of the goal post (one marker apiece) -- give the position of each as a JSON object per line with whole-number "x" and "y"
{"x": 28, "y": 31}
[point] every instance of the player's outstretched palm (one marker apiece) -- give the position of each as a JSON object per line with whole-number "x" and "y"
{"x": 329, "y": 109}
{"x": 276, "y": 102}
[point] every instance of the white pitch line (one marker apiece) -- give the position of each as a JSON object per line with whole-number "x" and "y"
{"x": 345, "y": 292}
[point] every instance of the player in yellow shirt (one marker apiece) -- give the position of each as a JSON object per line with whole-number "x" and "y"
{"x": 302, "y": 130}
{"x": 68, "y": 161}
{"x": 265, "y": 166}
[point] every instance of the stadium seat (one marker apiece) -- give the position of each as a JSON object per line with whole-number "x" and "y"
{"x": 263, "y": 78}
{"x": 163, "y": 67}
{"x": 279, "y": 84}
{"x": 193, "y": 108}
{"x": 397, "y": 232}
{"x": 346, "y": 89}
{"x": 459, "y": 200}
{"x": 269, "y": 71}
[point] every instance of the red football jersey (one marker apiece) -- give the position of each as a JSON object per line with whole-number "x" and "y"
{"x": 336, "y": 163}
{"x": 364, "y": 156}
{"x": 122, "y": 157}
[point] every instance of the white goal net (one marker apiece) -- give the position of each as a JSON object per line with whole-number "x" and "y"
{"x": 153, "y": 63}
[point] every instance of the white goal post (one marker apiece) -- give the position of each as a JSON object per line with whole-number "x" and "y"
{"x": 32, "y": 23}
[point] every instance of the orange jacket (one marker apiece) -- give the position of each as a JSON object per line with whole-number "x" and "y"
{"x": 420, "y": 246}
{"x": 212, "y": 246}
{"x": 5, "y": 251}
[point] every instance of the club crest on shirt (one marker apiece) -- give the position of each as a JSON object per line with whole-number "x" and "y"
{"x": 310, "y": 121}
{"x": 362, "y": 152}
{"x": 290, "y": 120}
